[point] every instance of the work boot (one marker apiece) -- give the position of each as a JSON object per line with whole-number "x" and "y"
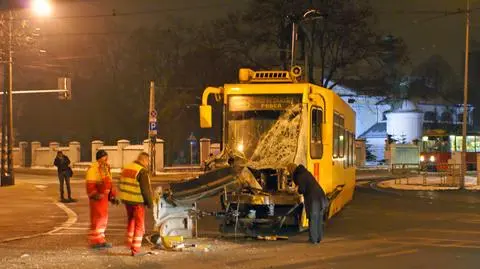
{"x": 63, "y": 200}
{"x": 71, "y": 200}
{"x": 97, "y": 246}
{"x": 101, "y": 246}
{"x": 107, "y": 245}
{"x": 139, "y": 254}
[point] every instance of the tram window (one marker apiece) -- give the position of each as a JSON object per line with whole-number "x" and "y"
{"x": 316, "y": 146}
{"x": 458, "y": 143}
{"x": 470, "y": 143}
{"x": 349, "y": 150}
{"x": 346, "y": 147}
{"x": 436, "y": 144}
{"x": 451, "y": 139}
{"x": 477, "y": 143}
{"x": 338, "y": 136}
{"x": 352, "y": 149}
{"x": 341, "y": 143}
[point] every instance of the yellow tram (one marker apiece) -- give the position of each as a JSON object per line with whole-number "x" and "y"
{"x": 271, "y": 118}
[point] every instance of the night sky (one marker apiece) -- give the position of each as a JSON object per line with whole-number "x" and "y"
{"x": 426, "y": 33}
{"x": 429, "y": 34}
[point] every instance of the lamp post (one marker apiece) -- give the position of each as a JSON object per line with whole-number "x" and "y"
{"x": 41, "y": 8}
{"x": 295, "y": 24}
{"x": 465, "y": 97}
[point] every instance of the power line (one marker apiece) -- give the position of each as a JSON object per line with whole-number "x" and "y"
{"x": 89, "y": 33}
{"x": 115, "y": 13}
{"x": 441, "y": 14}
{"x": 447, "y": 14}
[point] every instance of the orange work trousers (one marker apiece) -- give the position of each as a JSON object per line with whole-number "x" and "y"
{"x": 98, "y": 220}
{"x": 136, "y": 226}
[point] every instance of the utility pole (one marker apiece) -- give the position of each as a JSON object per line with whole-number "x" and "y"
{"x": 7, "y": 177}
{"x": 465, "y": 97}
{"x": 42, "y": 8}
{"x": 152, "y": 128}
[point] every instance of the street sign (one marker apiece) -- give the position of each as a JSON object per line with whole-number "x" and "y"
{"x": 152, "y": 126}
{"x": 153, "y": 114}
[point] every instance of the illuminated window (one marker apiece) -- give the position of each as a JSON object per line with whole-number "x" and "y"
{"x": 316, "y": 146}
{"x": 338, "y": 136}
{"x": 458, "y": 143}
{"x": 470, "y": 143}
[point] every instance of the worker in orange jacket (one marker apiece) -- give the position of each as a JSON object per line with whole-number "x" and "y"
{"x": 100, "y": 191}
{"x": 136, "y": 193}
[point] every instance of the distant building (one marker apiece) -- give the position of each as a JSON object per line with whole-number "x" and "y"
{"x": 404, "y": 120}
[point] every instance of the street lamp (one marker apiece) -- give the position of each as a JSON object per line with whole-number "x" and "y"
{"x": 465, "y": 98}
{"x": 42, "y": 8}
{"x": 295, "y": 22}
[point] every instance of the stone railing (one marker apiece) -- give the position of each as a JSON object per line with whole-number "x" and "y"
{"x": 20, "y": 154}
{"x": 124, "y": 152}
{"x": 120, "y": 154}
{"x": 44, "y": 156}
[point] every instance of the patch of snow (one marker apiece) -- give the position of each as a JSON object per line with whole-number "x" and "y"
{"x": 44, "y": 167}
{"x": 433, "y": 183}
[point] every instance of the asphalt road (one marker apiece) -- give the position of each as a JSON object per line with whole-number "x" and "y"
{"x": 378, "y": 229}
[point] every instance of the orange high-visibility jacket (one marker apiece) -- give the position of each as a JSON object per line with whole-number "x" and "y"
{"x": 99, "y": 180}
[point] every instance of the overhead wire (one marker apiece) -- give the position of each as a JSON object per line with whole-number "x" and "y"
{"x": 439, "y": 14}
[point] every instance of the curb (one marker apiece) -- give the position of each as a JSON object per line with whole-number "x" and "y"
{"x": 451, "y": 188}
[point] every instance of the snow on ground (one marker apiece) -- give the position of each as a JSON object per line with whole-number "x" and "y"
{"x": 433, "y": 183}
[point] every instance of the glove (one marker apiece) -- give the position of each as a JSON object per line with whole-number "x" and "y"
{"x": 96, "y": 196}
{"x": 114, "y": 200}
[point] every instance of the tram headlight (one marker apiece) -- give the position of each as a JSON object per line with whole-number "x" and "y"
{"x": 240, "y": 147}
{"x": 422, "y": 158}
{"x": 432, "y": 159}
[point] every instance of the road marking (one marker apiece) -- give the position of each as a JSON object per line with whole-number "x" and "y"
{"x": 87, "y": 225}
{"x": 443, "y": 231}
{"x": 83, "y": 234}
{"x": 398, "y": 253}
{"x": 72, "y": 218}
{"x": 86, "y": 229}
{"x": 435, "y": 242}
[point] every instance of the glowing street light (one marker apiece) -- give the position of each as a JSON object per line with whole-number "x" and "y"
{"x": 42, "y": 8}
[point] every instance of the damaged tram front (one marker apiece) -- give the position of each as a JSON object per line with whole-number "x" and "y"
{"x": 271, "y": 119}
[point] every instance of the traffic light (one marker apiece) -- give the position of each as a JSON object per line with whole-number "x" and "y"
{"x": 65, "y": 83}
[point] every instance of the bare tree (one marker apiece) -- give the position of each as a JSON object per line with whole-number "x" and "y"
{"x": 341, "y": 47}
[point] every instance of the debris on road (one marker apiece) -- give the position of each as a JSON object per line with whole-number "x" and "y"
{"x": 41, "y": 187}
{"x": 25, "y": 255}
{"x": 173, "y": 243}
{"x": 272, "y": 237}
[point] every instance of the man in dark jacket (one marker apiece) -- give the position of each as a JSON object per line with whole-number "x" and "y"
{"x": 64, "y": 173}
{"x": 315, "y": 200}
{"x": 136, "y": 193}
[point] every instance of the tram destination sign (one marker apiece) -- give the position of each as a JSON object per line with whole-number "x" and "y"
{"x": 262, "y": 102}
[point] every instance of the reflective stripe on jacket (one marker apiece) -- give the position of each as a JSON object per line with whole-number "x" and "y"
{"x": 129, "y": 187}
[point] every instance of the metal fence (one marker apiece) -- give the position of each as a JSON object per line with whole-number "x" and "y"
{"x": 443, "y": 174}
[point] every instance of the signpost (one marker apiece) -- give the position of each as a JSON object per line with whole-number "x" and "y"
{"x": 152, "y": 128}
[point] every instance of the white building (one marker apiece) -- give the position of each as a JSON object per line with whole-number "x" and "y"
{"x": 404, "y": 120}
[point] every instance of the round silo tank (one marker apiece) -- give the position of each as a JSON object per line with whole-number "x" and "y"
{"x": 406, "y": 121}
